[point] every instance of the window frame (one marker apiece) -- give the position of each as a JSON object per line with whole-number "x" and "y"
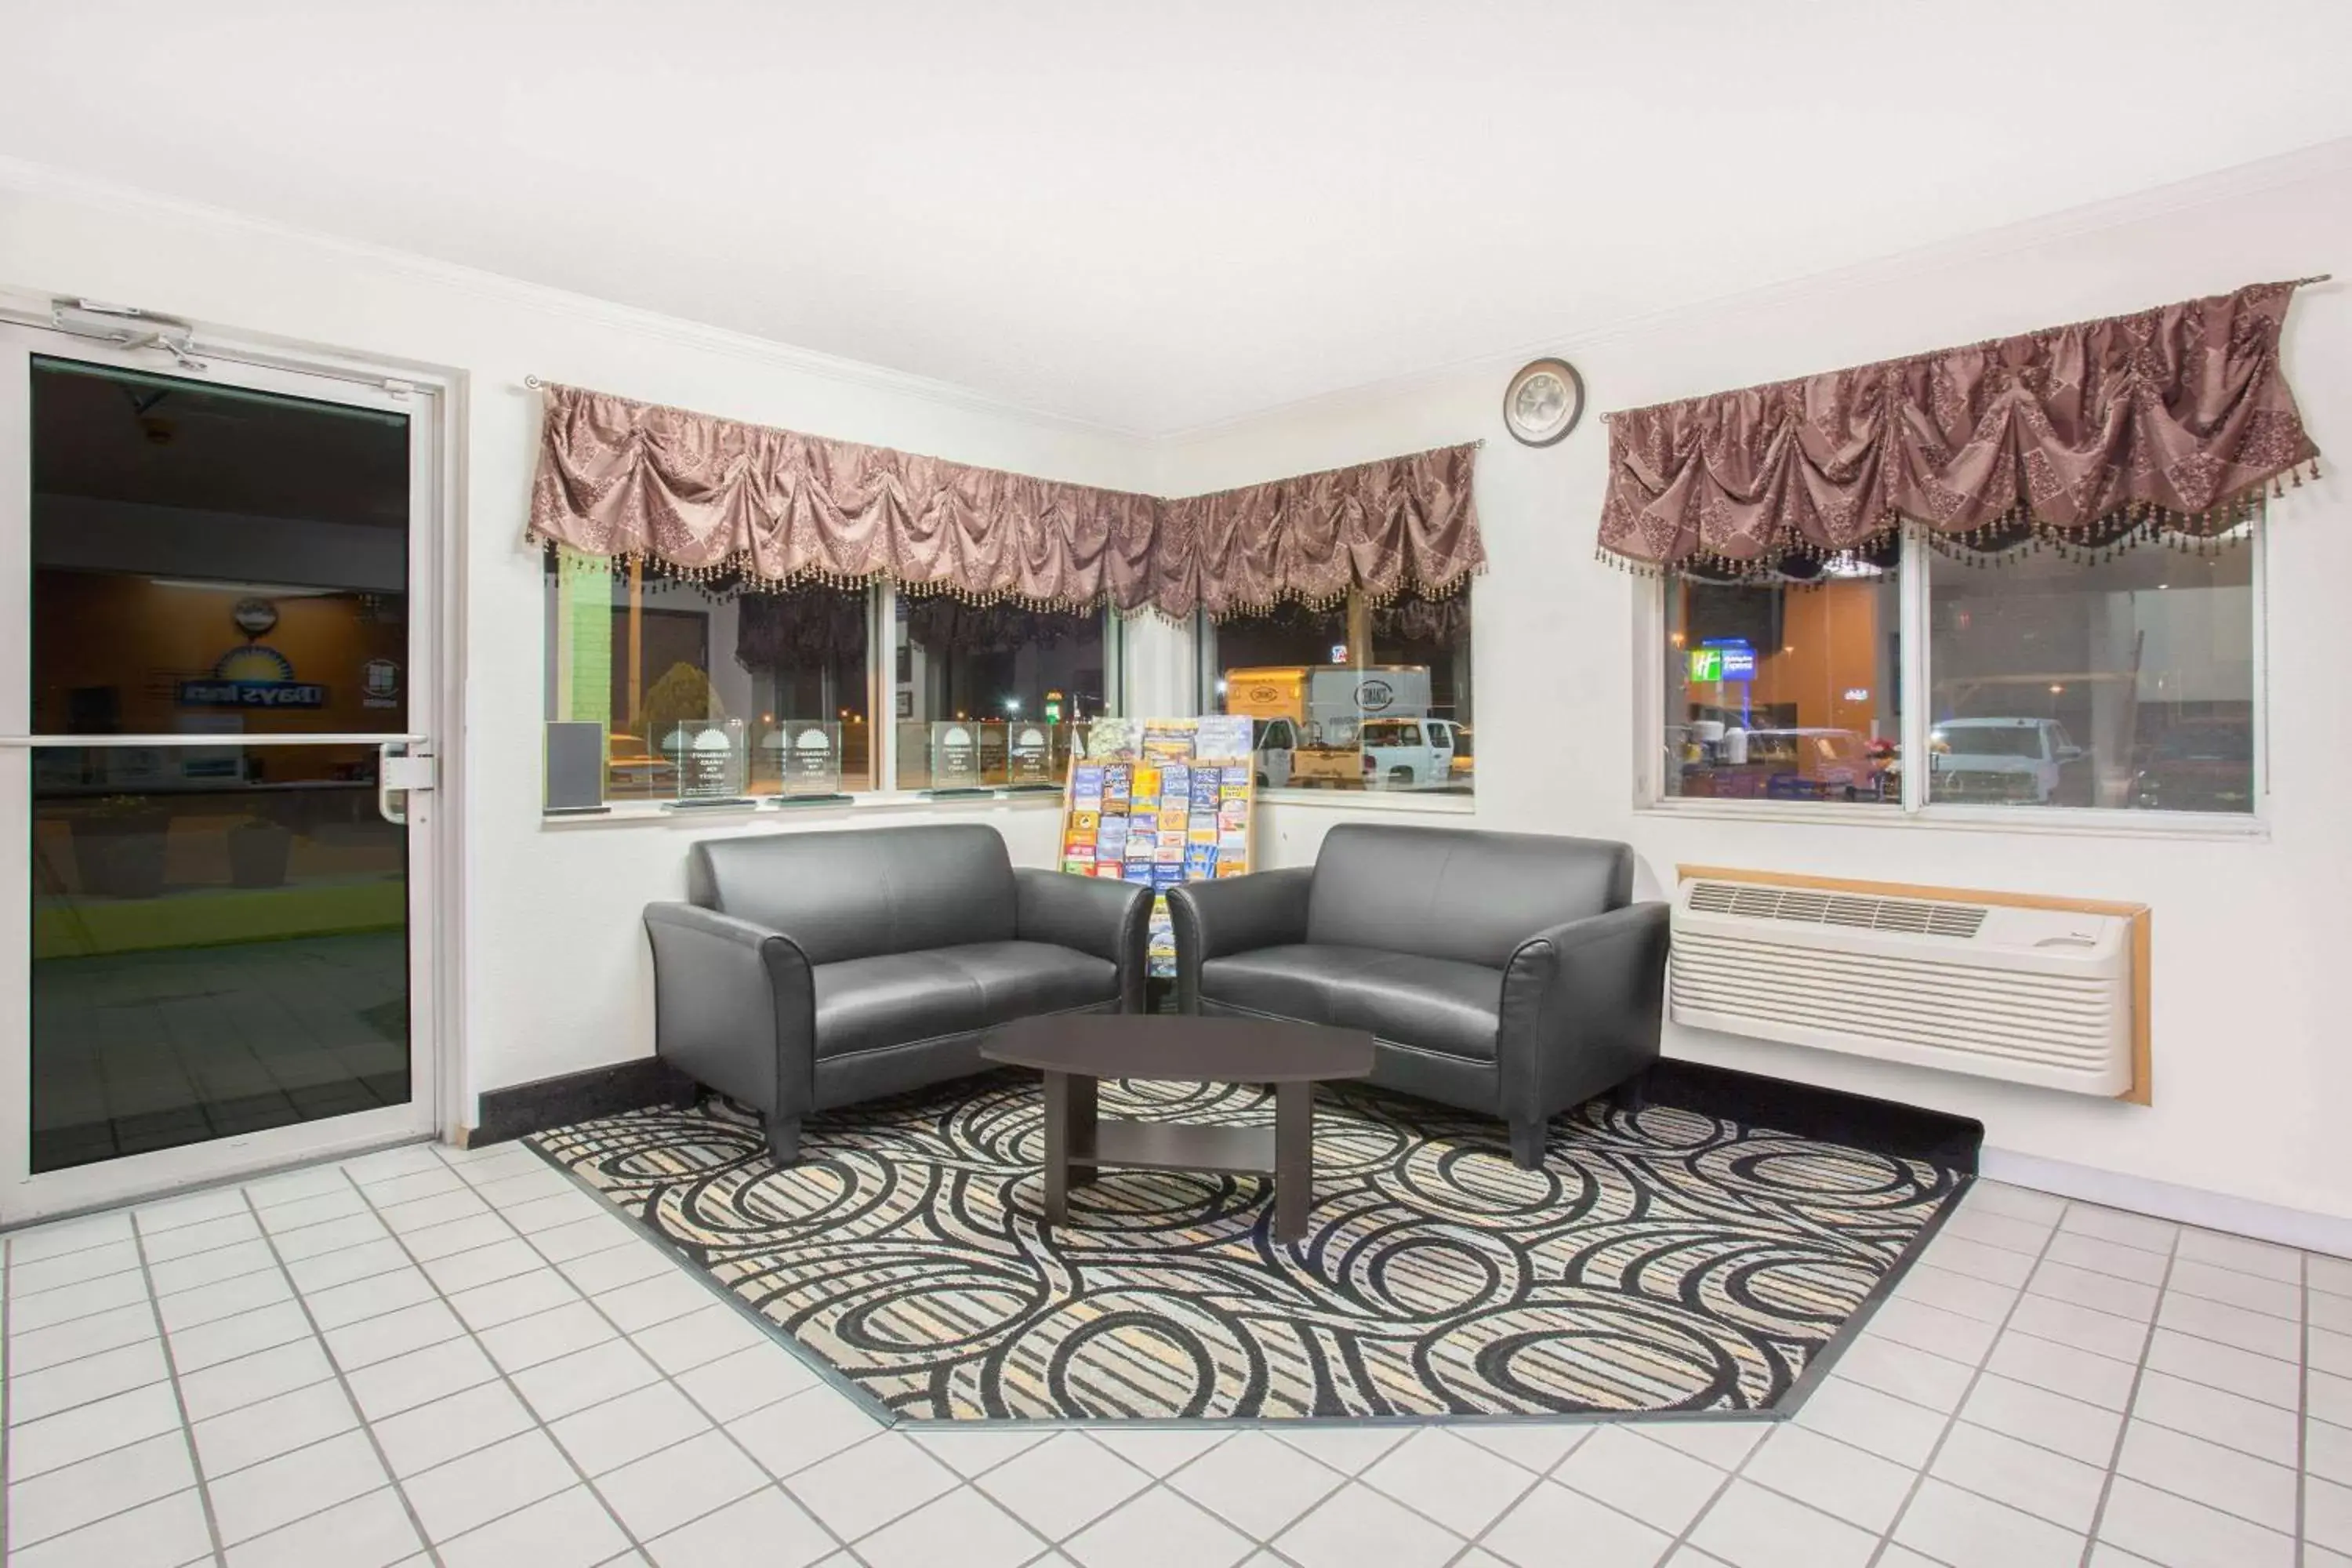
{"x": 1916, "y": 566}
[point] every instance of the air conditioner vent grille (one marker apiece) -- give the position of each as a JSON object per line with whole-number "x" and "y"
{"x": 1919, "y": 917}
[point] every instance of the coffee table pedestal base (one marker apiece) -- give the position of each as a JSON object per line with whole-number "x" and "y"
{"x": 1078, "y": 1142}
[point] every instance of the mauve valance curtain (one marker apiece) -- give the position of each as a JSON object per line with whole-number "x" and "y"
{"x": 728, "y": 503}
{"x": 2169, "y": 424}
{"x": 1386, "y": 527}
{"x": 699, "y": 497}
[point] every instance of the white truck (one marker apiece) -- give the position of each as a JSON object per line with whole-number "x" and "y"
{"x": 2016, "y": 761}
{"x": 1407, "y": 753}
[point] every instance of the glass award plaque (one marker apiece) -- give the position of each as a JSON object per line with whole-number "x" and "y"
{"x": 955, "y": 756}
{"x": 710, "y": 760}
{"x": 1029, "y": 757}
{"x": 811, "y": 761}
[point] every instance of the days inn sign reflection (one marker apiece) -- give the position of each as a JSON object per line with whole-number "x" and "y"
{"x": 253, "y": 675}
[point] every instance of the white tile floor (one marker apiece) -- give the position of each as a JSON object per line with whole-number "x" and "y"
{"x": 427, "y": 1356}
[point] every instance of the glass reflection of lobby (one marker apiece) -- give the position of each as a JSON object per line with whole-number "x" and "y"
{"x": 219, "y": 924}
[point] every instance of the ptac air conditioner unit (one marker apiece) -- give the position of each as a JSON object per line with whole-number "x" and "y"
{"x": 2033, "y": 994}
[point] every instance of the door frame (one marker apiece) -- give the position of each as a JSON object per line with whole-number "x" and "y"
{"x": 431, "y": 400}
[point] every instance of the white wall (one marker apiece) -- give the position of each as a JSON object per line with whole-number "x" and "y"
{"x": 556, "y": 975}
{"x": 2251, "y": 1079}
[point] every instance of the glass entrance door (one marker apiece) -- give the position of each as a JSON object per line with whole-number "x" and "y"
{"x": 215, "y": 770}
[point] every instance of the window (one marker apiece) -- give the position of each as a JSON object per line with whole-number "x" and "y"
{"x": 2126, "y": 684}
{"x": 990, "y": 696}
{"x": 729, "y": 695}
{"x": 1784, "y": 691}
{"x": 1348, "y": 696}
{"x": 2124, "y": 681}
{"x": 665, "y": 667}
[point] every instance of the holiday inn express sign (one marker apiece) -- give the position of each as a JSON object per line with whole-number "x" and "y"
{"x": 1722, "y": 661}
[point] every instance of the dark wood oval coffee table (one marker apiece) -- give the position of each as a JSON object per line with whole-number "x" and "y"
{"x": 1077, "y": 1051}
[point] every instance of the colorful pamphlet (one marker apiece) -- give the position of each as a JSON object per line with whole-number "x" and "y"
{"x": 1166, "y": 802}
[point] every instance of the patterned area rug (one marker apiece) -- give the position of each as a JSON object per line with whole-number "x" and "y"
{"x": 1661, "y": 1260}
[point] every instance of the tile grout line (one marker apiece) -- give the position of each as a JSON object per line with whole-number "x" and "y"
{"x": 2131, "y": 1402}
{"x": 1153, "y": 1483}
{"x": 1266, "y": 1543}
{"x": 178, "y": 1400}
{"x": 8, "y": 1338}
{"x": 665, "y": 1378}
{"x": 2303, "y": 1406}
{"x": 596, "y": 1405}
{"x": 1952, "y": 1417}
{"x": 466, "y": 1332}
{"x": 1736, "y": 1472}
{"x": 342, "y": 1381}
{"x": 1052, "y": 1546}
{"x": 1346, "y": 1481}
{"x": 884, "y": 1424}
{"x": 388, "y": 1234}
{"x": 1477, "y": 1541}
{"x": 331, "y": 1375}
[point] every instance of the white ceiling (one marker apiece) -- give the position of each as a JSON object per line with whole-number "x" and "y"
{"x": 1158, "y": 217}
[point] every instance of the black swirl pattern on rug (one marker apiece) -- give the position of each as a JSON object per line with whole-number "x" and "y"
{"x": 1659, "y": 1261}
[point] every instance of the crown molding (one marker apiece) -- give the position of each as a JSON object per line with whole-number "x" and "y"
{"x": 32, "y": 179}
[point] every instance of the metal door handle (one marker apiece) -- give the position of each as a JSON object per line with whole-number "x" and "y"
{"x": 385, "y": 754}
{"x": 402, "y": 772}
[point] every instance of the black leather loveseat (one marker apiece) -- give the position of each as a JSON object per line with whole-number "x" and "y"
{"x": 814, "y": 970}
{"x": 1503, "y": 972}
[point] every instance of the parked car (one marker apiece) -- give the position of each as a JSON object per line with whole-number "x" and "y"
{"x": 1407, "y": 753}
{"x": 2020, "y": 762}
{"x": 2199, "y": 765}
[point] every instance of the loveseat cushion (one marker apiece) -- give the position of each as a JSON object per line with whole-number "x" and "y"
{"x": 858, "y": 893}
{"x": 896, "y": 998}
{"x": 1434, "y": 1004}
{"x": 1471, "y": 897}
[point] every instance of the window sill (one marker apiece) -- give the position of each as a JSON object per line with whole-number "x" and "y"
{"x": 1429, "y": 801}
{"x": 2049, "y": 821}
{"x": 767, "y": 808}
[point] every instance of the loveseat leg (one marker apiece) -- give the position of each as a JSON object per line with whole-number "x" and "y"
{"x": 1527, "y": 1143}
{"x": 785, "y": 1138}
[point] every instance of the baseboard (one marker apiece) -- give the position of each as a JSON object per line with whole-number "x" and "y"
{"x": 1832, "y": 1115}
{"x": 523, "y": 1108}
{"x": 2301, "y": 1228}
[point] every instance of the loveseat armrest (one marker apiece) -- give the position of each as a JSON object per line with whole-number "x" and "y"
{"x": 734, "y": 1007}
{"x": 1237, "y": 914}
{"x": 1098, "y": 915}
{"x": 1582, "y": 1003}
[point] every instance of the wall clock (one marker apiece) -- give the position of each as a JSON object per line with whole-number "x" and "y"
{"x": 1543, "y": 402}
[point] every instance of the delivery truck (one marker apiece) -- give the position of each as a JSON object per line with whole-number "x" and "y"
{"x": 1308, "y": 721}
